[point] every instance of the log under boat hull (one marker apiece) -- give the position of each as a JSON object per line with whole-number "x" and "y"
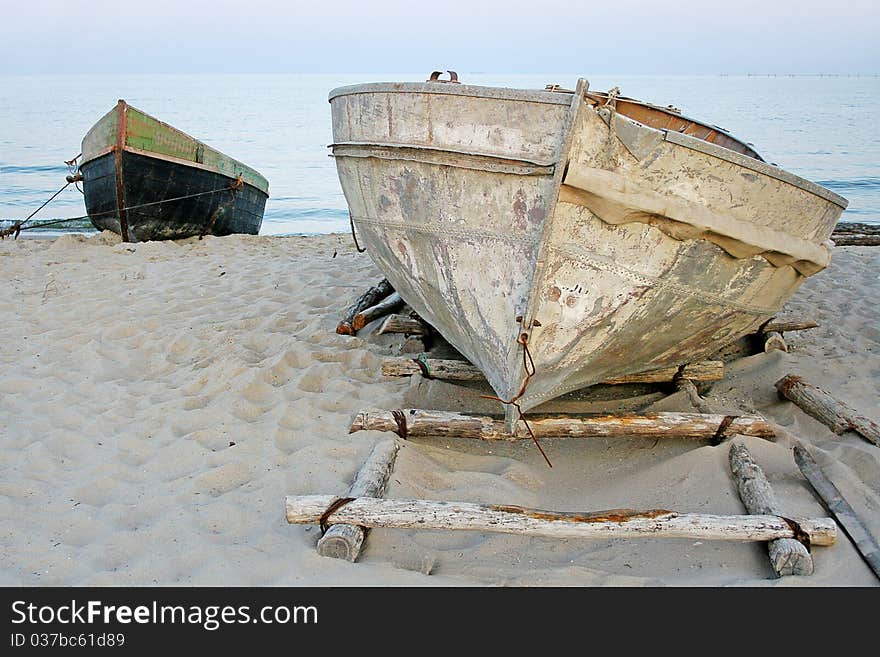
{"x": 610, "y": 247}
{"x": 148, "y": 180}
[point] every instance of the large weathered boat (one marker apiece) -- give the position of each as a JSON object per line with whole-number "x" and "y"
{"x": 147, "y": 180}
{"x": 558, "y": 238}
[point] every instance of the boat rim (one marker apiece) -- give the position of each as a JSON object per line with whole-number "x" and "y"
{"x": 563, "y": 97}
{"x": 471, "y": 90}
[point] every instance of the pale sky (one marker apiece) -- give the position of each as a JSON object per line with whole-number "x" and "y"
{"x": 512, "y": 36}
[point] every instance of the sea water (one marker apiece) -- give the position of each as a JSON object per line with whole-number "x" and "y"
{"x": 825, "y": 129}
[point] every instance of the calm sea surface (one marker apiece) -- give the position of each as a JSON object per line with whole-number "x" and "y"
{"x": 825, "y": 129}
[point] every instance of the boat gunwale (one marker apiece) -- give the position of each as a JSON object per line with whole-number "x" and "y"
{"x": 702, "y": 146}
{"x": 467, "y": 90}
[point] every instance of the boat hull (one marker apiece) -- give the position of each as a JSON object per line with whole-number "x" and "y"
{"x": 149, "y": 182}
{"x": 557, "y": 243}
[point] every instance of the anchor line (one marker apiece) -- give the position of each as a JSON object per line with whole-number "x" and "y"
{"x": 19, "y": 226}
{"x": 529, "y": 368}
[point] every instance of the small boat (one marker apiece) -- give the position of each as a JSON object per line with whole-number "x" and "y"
{"x": 558, "y": 238}
{"x": 147, "y": 180}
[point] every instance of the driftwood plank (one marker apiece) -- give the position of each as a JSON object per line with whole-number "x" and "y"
{"x": 781, "y": 326}
{"x": 389, "y": 304}
{"x": 414, "y": 422}
{"x": 839, "y": 508}
{"x": 460, "y": 370}
{"x": 617, "y": 523}
{"x": 438, "y": 368}
{"x": 403, "y": 324}
{"x": 788, "y": 556}
{"x": 856, "y": 234}
{"x": 709, "y": 370}
{"x": 832, "y": 412}
{"x": 369, "y": 298}
{"x": 344, "y": 541}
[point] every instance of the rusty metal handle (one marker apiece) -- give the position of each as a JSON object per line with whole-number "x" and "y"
{"x": 435, "y": 77}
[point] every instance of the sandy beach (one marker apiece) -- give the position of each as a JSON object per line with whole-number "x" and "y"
{"x": 159, "y": 400}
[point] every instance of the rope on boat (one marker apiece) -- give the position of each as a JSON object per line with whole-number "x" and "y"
{"x": 529, "y": 367}
{"x": 16, "y": 228}
{"x": 19, "y": 226}
{"x": 353, "y": 236}
{"x": 234, "y": 186}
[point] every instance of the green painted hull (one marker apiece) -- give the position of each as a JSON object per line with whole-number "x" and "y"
{"x": 140, "y": 133}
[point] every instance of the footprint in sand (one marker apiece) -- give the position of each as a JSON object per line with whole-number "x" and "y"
{"x": 317, "y": 377}
{"x": 259, "y": 393}
{"x": 223, "y": 479}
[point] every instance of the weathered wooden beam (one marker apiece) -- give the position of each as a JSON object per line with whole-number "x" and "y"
{"x": 414, "y": 422}
{"x": 788, "y": 556}
{"x": 389, "y": 304}
{"x": 616, "y": 523}
{"x": 460, "y": 370}
{"x": 773, "y": 341}
{"x": 839, "y": 508}
{"x": 369, "y": 298}
{"x": 781, "y": 326}
{"x": 403, "y": 324}
{"x": 856, "y": 234}
{"x": 832, "y": 412}
{"x": 852, "y": 239}
{"x": 856, "y": 227}
{"x": 438, "y": 368}
{"x": 344, "y": 541}
{"x": 708, "y": 370}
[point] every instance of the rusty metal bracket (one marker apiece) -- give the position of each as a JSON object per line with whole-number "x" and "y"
{"x": 435, "y": 77}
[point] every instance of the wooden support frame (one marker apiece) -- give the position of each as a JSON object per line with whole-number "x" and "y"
{"x": 508, "y": 519}
{"x": 830, "y": 411}
{"x": 344, "y": 541}
{"x": 788, "y": 556}
{"x": 461, "y": 370}
{"x": 413, "y": 422}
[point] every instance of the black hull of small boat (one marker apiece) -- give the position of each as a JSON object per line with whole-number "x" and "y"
{"x": 148, "y": 180}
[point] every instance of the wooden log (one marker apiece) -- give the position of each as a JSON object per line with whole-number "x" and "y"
{"x": 438, "y": 368}
{"x": 403, "y": 324}
{"x": 839, "y": 508}
{"x": 832, "y": 412}
{"x": 773, "y": 341}
{"x": 788, "y": 556}
{"x": 414, "y": 422}
{"x": 781, "y": 326}
{"x": 616, "y": 523}
{"x": 708, "y": 370}
{"x": 369, "y": 298}
{"x": 856, "y": 227}
{"x": 344, "y": 541}
{"x": 389, "y": 304}
{"x": 461, "y": 370}
{"x": 856, "y": 240}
